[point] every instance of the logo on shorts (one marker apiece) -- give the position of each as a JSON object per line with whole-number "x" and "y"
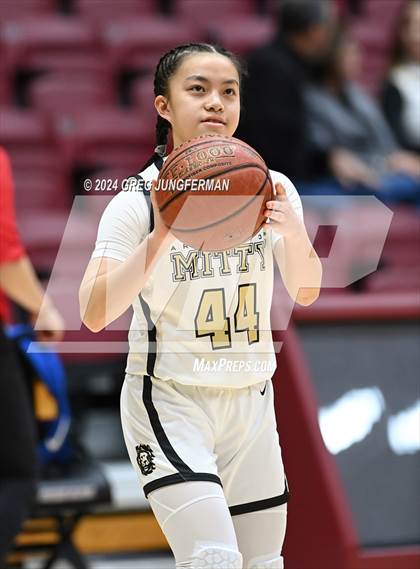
{"x": 145, "y": 458}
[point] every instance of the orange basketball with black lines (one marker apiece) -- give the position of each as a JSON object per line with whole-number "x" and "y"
{"x": 211, "y": 192}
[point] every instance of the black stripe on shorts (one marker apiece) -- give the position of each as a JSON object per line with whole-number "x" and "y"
{"x": 185, "y": 473}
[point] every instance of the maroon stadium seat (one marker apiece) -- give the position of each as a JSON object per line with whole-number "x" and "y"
{"x": 405, "y": 226}
{"x": 142, "y": 96}
{"x": 39, "y": 188}
{"x": 394, "y": 279}
{"x": 5, "y": 87}
{"x": 402, "y": 246}
{"x": 382, "y": 11}
{"x": 139, "y": 42}
{"x": 43, "y": 156}
{"x": 24, "y": 129}
{"x": 110, "y": 9}
{"x": 26, "y": 42}
{"x": 29, "y": 139}
{"x": 11, "y": 9}
{"x": 104, "y": 136}
{"x": 75, "y": 63}
{"x": 211, "y": 11}
{"x": 402, "y": 255}
{"x": 142, "y": 93}
{"x": 42, "y": 231}
{"x": 240, "y": 34}
{"x": 60, "y": 93}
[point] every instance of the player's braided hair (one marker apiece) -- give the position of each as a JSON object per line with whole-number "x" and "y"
{"x": 168, "y": 64}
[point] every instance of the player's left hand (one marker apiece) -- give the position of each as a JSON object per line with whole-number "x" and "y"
{"x": 282, "y": 216}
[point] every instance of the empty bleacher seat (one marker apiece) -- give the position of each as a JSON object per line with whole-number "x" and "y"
{"x": 28, "y": 137}
{"x": 110, "y": 9}
{"x": 43, "y": 156}
{"x": 75, "y": 63}
{"x": 241, "y": 34}
{"x": 5, "y": 87}
{"x": 23, "y": 126}
{"x": 394, "y": 280}
{"x": 67, "y": 92}
{"x": 41, "y": 188}
{"x": 139, "y": 42}
{"x": 42, "y": 232}
{"x": 26, "y": 41}
{"x": 11, "y": 9}
{"x": 211, "y": 11}
{"x": 105, "y": 136}
{"x": 142, "y": 94}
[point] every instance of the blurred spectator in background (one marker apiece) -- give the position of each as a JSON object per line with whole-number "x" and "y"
{"x": 18, "y": 458}
{"x": 401, "y": 92}
{"x": 349, "y": 126}
{"x": 273, "y": 121}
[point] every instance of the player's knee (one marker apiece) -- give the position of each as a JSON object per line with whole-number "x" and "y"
{"x": 213, "y": 557}
{"x": 264, "y": 562}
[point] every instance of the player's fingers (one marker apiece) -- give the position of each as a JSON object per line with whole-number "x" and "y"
{"x": 277, "y": 216}
{"x": 276, "y": 206}
{"x": 271, "y": 225}
{"x": 280, "y": 192}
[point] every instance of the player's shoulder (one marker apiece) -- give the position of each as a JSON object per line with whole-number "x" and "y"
{"x": 131, "y": 204}
{"x": 134, "y": 188}
{"x": 148, "y": 174}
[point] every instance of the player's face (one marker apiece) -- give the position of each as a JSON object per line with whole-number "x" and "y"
{"x": 203, "y": 98}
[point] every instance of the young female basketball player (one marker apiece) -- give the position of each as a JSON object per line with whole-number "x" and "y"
{"x": 197, "y": 402}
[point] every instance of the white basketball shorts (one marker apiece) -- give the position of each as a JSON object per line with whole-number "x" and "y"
{"x": 177, "y": 432}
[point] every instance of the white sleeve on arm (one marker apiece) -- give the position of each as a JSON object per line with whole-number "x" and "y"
{"x": 292, "y": 196}
{"x": 123, "y": 226}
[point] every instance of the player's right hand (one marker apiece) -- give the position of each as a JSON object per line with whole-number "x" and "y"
{"x": 48, "y": 323}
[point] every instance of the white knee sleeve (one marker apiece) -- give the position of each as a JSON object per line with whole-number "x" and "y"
{"x": 264, "y": 563}
{"x": 213, "y": 557}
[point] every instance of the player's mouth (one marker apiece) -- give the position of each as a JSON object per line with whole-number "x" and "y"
{"x": 214, "y": 121}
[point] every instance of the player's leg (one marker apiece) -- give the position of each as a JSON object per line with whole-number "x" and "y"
{"x": 173, "y": 455}
{"x": 196, "y": 521}
{"x": 260, "y": 537}
{"x": 253, "y": 477}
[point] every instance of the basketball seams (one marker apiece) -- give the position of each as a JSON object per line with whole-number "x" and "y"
{"x": 230, "y": 216}
{"x": 178, "y": 151}
{"x": 213, "y": 176}
{"x": 214, "y": 160}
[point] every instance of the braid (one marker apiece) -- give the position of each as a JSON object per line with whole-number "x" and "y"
{"x": 165, "y": 68}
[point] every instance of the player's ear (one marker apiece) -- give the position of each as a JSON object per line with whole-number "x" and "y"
{"x": 162, "y": 107}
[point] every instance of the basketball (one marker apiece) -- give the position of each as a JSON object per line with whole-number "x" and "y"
{"x": 211, "y": 192}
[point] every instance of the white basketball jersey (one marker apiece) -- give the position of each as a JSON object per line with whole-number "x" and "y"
{"x": 202, "y": 318}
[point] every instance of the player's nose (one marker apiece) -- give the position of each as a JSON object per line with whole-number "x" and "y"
{"x": 214, "y": 103}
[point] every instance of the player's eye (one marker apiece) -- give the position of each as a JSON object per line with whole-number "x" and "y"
{"x": 230, "y": 91}
{"x": 196, "y": 88}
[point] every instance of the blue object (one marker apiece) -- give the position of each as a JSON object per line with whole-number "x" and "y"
{"x": 54, "y": 444}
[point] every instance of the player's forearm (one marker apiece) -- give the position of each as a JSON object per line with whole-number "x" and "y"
{"x": 106, "y": 297}
{"x": 19, "y": 282}
{"x": 300, "y": 268}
